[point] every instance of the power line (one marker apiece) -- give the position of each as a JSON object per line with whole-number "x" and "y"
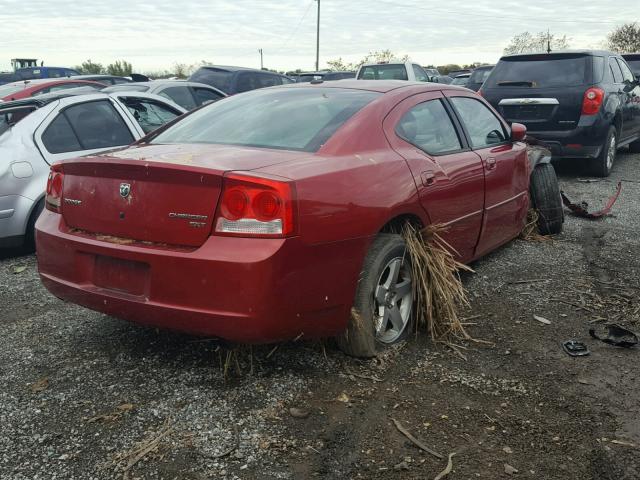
{"x": 295, "y": 31}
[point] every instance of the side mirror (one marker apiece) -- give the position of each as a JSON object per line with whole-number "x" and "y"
{"x": 518, "y": 132}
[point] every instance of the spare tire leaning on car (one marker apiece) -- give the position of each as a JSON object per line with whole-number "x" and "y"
{"x": 546, "y": 199}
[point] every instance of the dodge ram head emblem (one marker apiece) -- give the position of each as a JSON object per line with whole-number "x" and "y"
{"x": 125, "y": 190}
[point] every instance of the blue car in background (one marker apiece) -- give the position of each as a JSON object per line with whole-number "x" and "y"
{"x": 31, "y": 73}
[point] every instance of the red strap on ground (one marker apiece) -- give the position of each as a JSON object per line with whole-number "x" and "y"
{"x": 581, "y": 210}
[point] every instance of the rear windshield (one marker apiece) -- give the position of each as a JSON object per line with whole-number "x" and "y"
{"x": 221, "y": 79}
{"x": 539, "y": 72}
{"x": 9, "y": 117}
{"x": 383, "y": 72}
{"x": 291, "y": 119}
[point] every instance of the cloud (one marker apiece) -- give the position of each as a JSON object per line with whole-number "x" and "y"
{"x": 156, "y": 34}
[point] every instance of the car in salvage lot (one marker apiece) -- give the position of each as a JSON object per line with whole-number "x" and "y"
{"x": 188, "y": 95}
{"x": 580, "y": 104}
{"x": 262, "y": 217}
{"x": 38, "y": 131}
{"x": 30, "y": 88}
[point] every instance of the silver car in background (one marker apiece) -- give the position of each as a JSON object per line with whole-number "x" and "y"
{"x": 38, "y": 131}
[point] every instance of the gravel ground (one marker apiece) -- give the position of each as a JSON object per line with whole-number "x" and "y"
{"x": 85, "y": 396}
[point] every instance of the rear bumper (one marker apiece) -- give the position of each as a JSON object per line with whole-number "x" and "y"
{"x": 245, "y": 290}
{"x": 581, "y": 142}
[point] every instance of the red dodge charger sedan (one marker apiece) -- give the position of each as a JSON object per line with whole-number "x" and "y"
{"x": 270, "y": 214}
{"x": 31, "y": 88}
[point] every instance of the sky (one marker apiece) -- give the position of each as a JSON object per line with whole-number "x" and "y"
{"x": 155, "y": 35}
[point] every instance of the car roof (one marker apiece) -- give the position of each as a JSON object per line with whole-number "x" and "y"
{"x": 97, "y": 75}
{"x": 45, "y": 81}
{"x": 159, "y": 83}
{"x": 484, "y": 67}
{"x": 380, "y": 86}
{"x": 231, "y": 68}
{"x": 559, "y": 53}
{"x": 395, "y": 61}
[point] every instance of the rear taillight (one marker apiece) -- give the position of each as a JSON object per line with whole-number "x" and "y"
{"x": 53, "y": 198}
{"x": 256, "y": 207}
{"x": 592, "y": 101}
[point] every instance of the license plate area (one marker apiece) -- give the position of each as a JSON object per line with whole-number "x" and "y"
{"x": 125, "y": 276}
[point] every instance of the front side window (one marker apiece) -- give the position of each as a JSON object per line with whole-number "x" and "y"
{"x": 149, "y": 114}
{"x": 627, "y": 76}
{"x": 420, "y": 74}
{"x": 291, "y": 119}
{"x": 383, "y": 72}
{"x": 482, "y": 125}
{"x": 180, "y": 95}
{"x": 429, "y": 127}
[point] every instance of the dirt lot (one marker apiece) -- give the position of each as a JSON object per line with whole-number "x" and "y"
{"x": 86, "y": 396}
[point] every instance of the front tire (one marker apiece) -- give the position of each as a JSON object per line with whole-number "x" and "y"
{"x": 602, "y": 165}
{"x": 383, "y": 304}
{"x": 546, "y": 199}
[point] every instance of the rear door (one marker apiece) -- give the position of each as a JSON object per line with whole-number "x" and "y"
{"x": 543, "y": 92}
{"x": 448, "y": 175}
{"x": 80, "y": 128}
{"x": 506, "y": 170}
{"x": 149, "y": 113}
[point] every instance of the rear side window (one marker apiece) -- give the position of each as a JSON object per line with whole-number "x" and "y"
{"x": 598, "y": 69}
{"x": 615, "y": 70}
{"x": 539, "y": 72}
{"x": 252, "y": 81}
{"x": 429, "y": 127}
{"x": 59, "y": 136}
{"x": 149, "y": 114}
{"x": 383, "y": 72}
{"x": 86, "y": 126}
{"x": 420, "y": 74}
{"x": 290, "y": 119}
{"x": 482, "y": 125}
{"x": 220, "y": 79}
{"x": 479, "y": 76}
{"x": 266, "y": 80}
{"x": 181, "y": 95}
{"x": 204, "y": 95}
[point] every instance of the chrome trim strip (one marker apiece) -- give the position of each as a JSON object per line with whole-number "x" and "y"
{"x": 529, "y": 101}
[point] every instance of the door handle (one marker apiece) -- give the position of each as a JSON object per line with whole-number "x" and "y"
{"x": 490, "y": 163}
{"x": 428, "y": 178}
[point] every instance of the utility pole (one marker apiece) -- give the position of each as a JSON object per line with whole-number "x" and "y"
{"x": 261, "y": 63}
{"x": 548, "y": 41}
{"x": 318, "y": 39}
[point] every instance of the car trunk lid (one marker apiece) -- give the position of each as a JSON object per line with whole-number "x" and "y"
{"x": 160, "y": 193}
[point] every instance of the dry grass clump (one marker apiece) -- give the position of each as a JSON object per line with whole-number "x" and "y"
{"x": 437, "y": 288}
{"x": 530, "y": 231}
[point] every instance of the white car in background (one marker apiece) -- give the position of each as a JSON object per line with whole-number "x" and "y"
{"x": 38, "y": 131}
{"x": 393, "y": 70}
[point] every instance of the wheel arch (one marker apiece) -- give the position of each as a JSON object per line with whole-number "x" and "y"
{"x": 398, "y": 221}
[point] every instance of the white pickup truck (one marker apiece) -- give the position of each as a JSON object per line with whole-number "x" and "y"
{"x": 392, "y": 70}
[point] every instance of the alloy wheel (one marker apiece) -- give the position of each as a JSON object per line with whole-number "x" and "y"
{"x": 393, "y": 300}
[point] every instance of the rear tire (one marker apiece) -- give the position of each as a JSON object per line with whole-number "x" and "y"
{"x": 383, "y": 304}
{"x": 30, "y": 234}
{"x": 602, "y": 165}
{"x": 546, "y": 199}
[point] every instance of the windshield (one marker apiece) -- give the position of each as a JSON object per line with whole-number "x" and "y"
{"x": 291, "y": 119}
{"x": 383, "y": 72}
{"x": 539, "y": 71}
{"x": 6, "y": 90}
{"x": 460, "y": 80}
{"x": 635, "y": 66}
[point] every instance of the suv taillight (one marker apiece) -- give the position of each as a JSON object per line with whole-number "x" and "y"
{"x": 53, "y": 196}
{"x": 592, "y": 101}
{"x": 252, "y": 206}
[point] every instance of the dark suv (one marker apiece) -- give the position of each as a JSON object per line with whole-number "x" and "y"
{"x": 581, "y": 104}
{"x": 232, "y": 80}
